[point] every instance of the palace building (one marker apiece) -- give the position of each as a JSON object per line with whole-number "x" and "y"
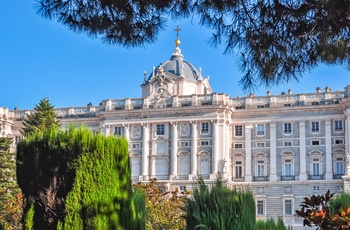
{"x": 282, "y": 147}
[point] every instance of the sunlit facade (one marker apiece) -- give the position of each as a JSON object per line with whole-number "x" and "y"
{"x": 283, "y": 147}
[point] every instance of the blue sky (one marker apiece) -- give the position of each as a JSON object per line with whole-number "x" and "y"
{"x": 41, "y": 58}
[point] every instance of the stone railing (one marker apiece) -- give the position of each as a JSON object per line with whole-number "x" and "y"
{"x": 286, "y": 100}
{"x": 215, "y": 99}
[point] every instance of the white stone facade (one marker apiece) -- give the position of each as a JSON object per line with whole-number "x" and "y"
{"x": 283, "y": 147}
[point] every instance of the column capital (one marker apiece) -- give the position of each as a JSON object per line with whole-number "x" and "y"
{"x": 194, "y": 122}
{"x": 214, "y": 121}
{"x": 145, "y": 125}
{"x": 126, "y": 125}
{"x": 174, "y": 123}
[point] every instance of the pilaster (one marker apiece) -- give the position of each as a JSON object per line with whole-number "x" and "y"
{"x": 273, "y": 175}
{"x": 193, "y": 150}
{"x": 173, "y": 169}
{"x": 145, "y": 151}
{"x": 302, "y": 150}
{"x": 248, "y": 153}
{"x": 328, "y": 137}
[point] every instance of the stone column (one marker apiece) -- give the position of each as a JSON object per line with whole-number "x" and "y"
{"x": 215, "y": 152}
{"x": 145, "y": 151}
{"x": 346, "y": 177}
{"x": 248, "y": 153}
{"x": 194, "y": 150}
{"x": 302, "y": 151}
{"x": 173, "y": 170}
{"x": 328, "y": 136}
{"x": 127, "y": 131}
{"x": 273, "y": 162}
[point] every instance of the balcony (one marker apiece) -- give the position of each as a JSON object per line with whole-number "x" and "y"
{"x": 338, "y": 176}
{"x": 260, "y": 178}
{"x": 160, "y": 177}
{"x": 287, "y": 178}
{"x": 205, "y": 176}
{"x": 316, "y": 177}
{"x": 182, "y": 177}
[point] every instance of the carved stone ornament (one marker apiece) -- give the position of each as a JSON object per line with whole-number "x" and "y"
{"x": 184, "y": 129}
{"x": 136, "y": 132}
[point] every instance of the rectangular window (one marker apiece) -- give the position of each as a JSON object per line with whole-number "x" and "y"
{"x": 315, "y": 142}
{"x": 161, "y": 129}
{"x": 205, "y": 127}
{"x": 287, "y": 143}
{"x": 260, "y": 129}
{"x": 260, "y": 144}
{"x": 340, "y": 188}
{"x": 338, "y": 141}
{"x": 316, "y": 188}
{"x": 239, "y": 169}
{"x": 118, "y": 131}
{"x": 288, "y": 207}
{"x": 260, "y": 208}
{"x": 316, "y": 167}
{"x": 338, "y": 126}
{"x": 288, "y": 167}
{"x": 204, "y": 143}
{"x": 184, "y": 143}
{"x": 238, "y": 130}
{"x": 136, "y": 146}
{"x": 260, "y": 168}
{"x": 315, "y": 127}
{"x": 182, "y": 188}
{"x": 287, "y": 128}
{"x": 238, "y": 145}
{"x": 339, "y": 166}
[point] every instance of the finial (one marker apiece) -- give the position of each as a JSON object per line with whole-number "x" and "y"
{"x": 177, "y": 41}
{"x": 144, "y": 76}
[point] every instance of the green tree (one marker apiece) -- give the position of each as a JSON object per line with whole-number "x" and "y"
{"x": 219, "y": 207}
{"x": 74, "y": 178}
{"x": 275, "y": 41}
{"x": 43, "y": 117}
{"x": 270, "y": 224}
{"x": 10, "y": 194}
{"x": 101, "y": 197}
{"x": 164, "y": 210}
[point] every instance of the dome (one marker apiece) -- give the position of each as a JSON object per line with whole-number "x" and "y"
{"x": 179, "y": 68}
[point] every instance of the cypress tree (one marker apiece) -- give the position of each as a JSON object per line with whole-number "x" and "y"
{"x": 10, "y": 195}
{"x": 101, "y": 197}
{"x": 219, "y": 207}
{"x": 73, "y": 179}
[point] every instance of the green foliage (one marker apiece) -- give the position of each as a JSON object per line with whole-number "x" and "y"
{"x": 338, "y": 202}
{"x": 219, "y": 207}
{"x": 74, "y": 178}
{"x": 29, "y": 218}
{"x": 101, "y": 197}
{"x": 275, "y": 41}
{"x": 164, "y": 210}
{"x": 43, "y": 118}
{"x": 10, "y": 194}
{"x": 270, "y": 224}
{"x": 139, "y": 201}
{"x": 317, "y": 210}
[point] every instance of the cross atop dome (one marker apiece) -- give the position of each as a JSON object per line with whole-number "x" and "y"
{"x": 177, "y": 41}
